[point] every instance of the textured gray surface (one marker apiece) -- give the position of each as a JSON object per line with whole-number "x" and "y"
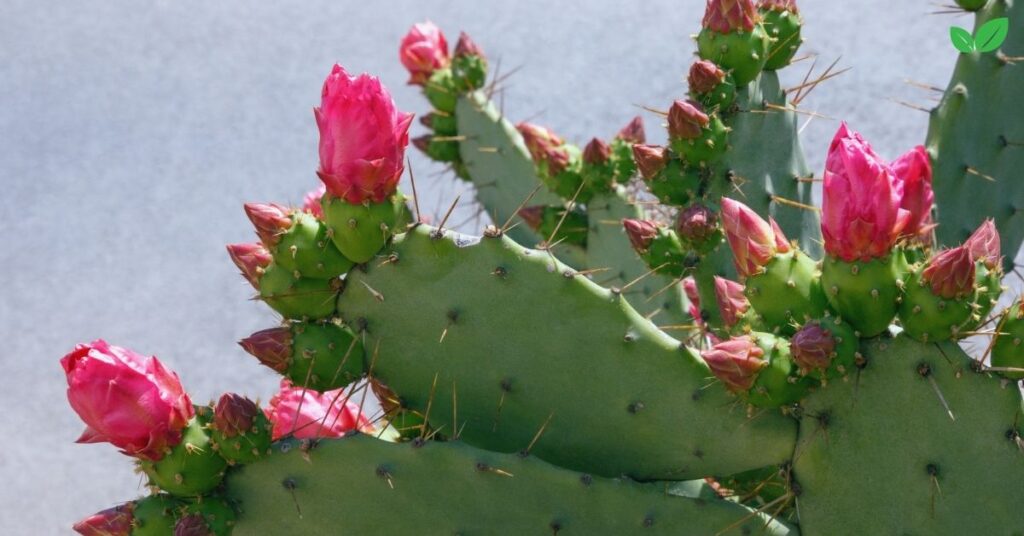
{"x": 131, "y": 133}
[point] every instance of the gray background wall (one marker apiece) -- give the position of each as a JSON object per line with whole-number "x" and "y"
{"x": 131, "y": 133}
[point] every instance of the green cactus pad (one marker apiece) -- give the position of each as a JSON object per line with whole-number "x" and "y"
{"x": 783, "y": 28}
{"x": 360, "y": 231}
{"x": 572, "y": 227}
{"x": 788, "y": 292}
{"x": 298, "y": 298}
{"x": 720, "y": 98}
{"x": 881, "y": 455}
{"x": 930, "y": 318}
{"x": 306, "y": 248}
{"x": 443, "y": 123}
{"x": 442, "y": 311}
{"x": 678, "y": 183}
{"x": 864, "y": 294}
{"x": 218, "y": 514}
{"x": 442, "y": 90}
{"x": 989, "y": 283}
{"x": 155, "y": 515}
{"x": 470, "y": 71}
{"x": 192, "y": 468}
{"x": 441, "y": 149}
{"x": 325, "y": 356}
{"x": 743, "y": 54}
{"x": 360, "y": 485}
{"x": 1008, "y": 348}
{"x": 666, "y": 254}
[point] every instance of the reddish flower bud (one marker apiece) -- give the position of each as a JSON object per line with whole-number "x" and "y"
{"x": 633, "y": 132}
{"x": 650, "y": 159}
{"x": 732, "y": 302}
{"x": 912, "y": 174}
{"x": 465, "y": 46}
{"x": 234, "y": 414}
{"x": 705, "y": 76}
{"x": 984, "y": 245}
{"x": 724, "y": 16}
{"x": 533, "y": 216}
{"x": 641, "y": 233}
{"x": 951, "y": 273}
{"x": 270, "y": 220}
{"x": 125, "y": 399}
{"x": 696, "y": 224}
{"x": 597, "y": 152}
{"x": 311, "y": 201}
{"x": 273, "y": 347}
{"x": 192, "y": 525}
{"x": 781, "y": 242}
{"x": 753, "y": 240}
{"x": 735, "y": 362}
{"x": 545, "y": 147}
{"x": 423, "y": 142}
{"x": 690, "y": 288}
{"x": 686, "y": 120}
{"x": 305, "y": 413}
{"x": 251, "y": 259}
{"x": 116, "y": 521}
{"x": 423, "y": 51}
{"x": 812, "y": 347}
{"x": 362, "y": 138}
{"x": 779, "y": 5}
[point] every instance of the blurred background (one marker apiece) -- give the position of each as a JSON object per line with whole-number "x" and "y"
{"x": 132, "y": 132}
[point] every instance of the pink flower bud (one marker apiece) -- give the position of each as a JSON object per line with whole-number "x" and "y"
{"x": 465, "y": 46}
{"x": 125, "y": 399}
{"x": 633, "y": 132}
{"x": 533, "y": 216}
{"x": 753, "y": 241}
{"x": 597, "y": 152}
{"x": 705, "y": 76}
{"x": 696, "y": 224}
{"x": 812, "y": 347}
{"x": 311, "y": 201}
{"x": 735, "y": 362}
{"x": 724, "y": 16}
{"x": 539, "y": 140}
{"x": 690, "y": 288}
{"x": 116, "y": 521}
{"x": 270, "y": 220}
{"x": 781, "y": 242}
{"x": 861, "y": 216}
{"x": 305, "y": 413}
{"x": 686, "y": 120}
{"x": 423, "y": 51}
{"x": 732, "y": 303}
{"x": 779, "y": 5}
{"x": 641, "y": 233}
{"x": 951, "y": 273}
{"x": 912, "y": 174}
{"x": 251, "y": 259}
{"x": 192, "y": 525}
{"x": 984, "y": 245}
{"x": 234, "y": 414}
{"x": 362, "y": 138}
{"x": 650, "y": 159}
{"x": 273, "y": 347}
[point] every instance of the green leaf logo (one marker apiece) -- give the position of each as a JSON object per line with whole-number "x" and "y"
{"x": 990, "y": 36}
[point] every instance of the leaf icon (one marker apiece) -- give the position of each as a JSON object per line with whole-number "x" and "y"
{"x": 962, "y": 39}
{"x": 992, "y": 34}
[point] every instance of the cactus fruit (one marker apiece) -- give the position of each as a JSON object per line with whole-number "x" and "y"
{"x": 240, "y": 432}
{"x": 939, "y": 298}
{"x": 192, "y": 467}
{"x": 781, "y": 20}
{"x": 1008, "y": 349}
{"x": 298, "y": 241}
{"x": 320, "y": 355}
{"x": 734, "y": 38}
{"x": 694, "y": 135}
{"x": 207, "y": 517}
{"x": 710, "y": 85}
{"x": 155, "y": 515}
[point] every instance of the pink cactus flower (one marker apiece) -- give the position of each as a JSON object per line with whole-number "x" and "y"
{"x": 597, "y": 152}
{"x": 641, "y": 233}
{"x": 951, "y": 273}
{"x": 116, "y": 521}
{"x": 270, "y": 220}
{"x": 273, "y": 347}
{"x": 251, "y": 259}
{"x": 779, "y": 5}
{"x": 305, "y": 413}
{"x": 984, "y": 245}
{"x": 465, "y": 46}
{"x": 912, "y": 175}
{"x": 812, "y": 347}
{"x": 125, "y": 399}
{"x": 704, "y": 76}
{"x": 633, "y": 132}
{"x": 362, "y": 138}
{"x": 724, "y": 16}
{"x": 686, "y": 120}
{"x": 650, "y": 160}
{"x": 234, "y": 414}
{"x": 423, "y": 51}
{"x": 861, "y": 215}
{"x": 311, "y": 201}
{"x": 732, "y": 302}
{"x": 754, "y": 242}
{"x": 735, "y": 362}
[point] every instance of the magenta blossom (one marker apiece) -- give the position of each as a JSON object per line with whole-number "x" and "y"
{"x": 305, "y": 413}
{"x": 861, "y": 214}
{"x": 362, "y": 138}
{"x": 912, "y": 174}
{"x": 754, "y": 242}
{"x": 126, "y": 399}
{"x": 423, "y": 51}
